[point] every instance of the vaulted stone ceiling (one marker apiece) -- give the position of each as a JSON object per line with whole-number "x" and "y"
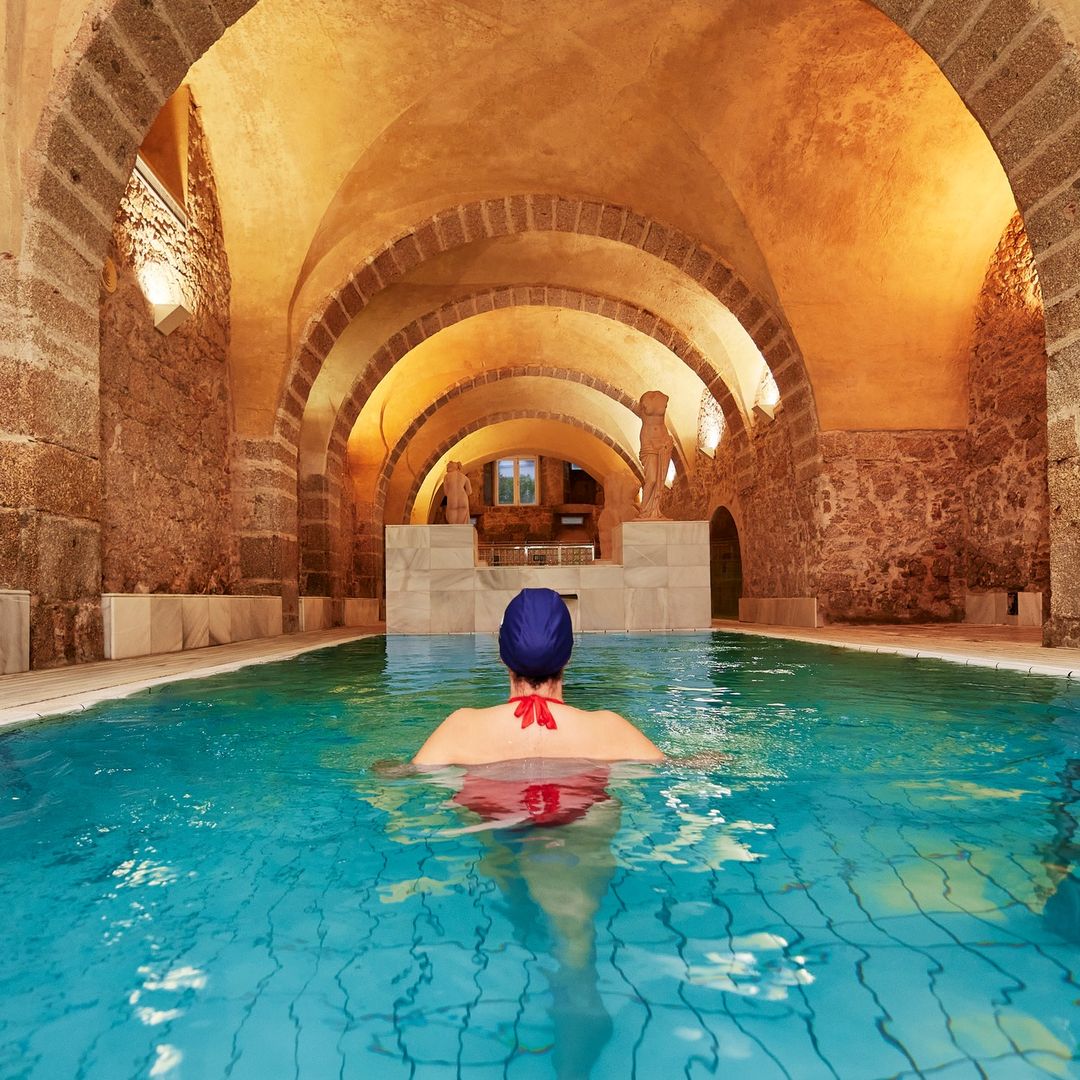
{"x": 809, "y": 143}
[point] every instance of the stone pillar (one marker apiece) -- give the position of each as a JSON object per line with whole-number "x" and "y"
{"x": 264, "y": 502}
{"x": 50, "y": 478}
{"x": 1063, "y": 474}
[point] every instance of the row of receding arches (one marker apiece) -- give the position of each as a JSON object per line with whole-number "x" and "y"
{"x": 394, "y": 467}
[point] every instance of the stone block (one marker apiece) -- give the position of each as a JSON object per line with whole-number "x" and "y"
{"x": 316, "y": 613}
{"x": 361, "y": 611}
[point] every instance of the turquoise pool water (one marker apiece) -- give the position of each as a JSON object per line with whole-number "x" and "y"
{"x": 211, "y": 880}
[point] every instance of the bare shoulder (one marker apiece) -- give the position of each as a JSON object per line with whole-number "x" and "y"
{"x": 446, "y": 742}
{"x": 624, "y": 739}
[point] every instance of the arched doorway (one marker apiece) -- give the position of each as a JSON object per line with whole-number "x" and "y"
{"x": 725, "y": 564}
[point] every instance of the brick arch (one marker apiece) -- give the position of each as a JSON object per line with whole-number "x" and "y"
{"x": 478, "y": 303}
{"x": 382, "y": 484}
{"x": 487, "y": 219}
{"x": 500, "y": 417}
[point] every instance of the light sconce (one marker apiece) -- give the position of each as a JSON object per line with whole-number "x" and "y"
{"x": 670, "y": 478}
{"x": 162, "y": 289}
{"x": 764, "y": 413}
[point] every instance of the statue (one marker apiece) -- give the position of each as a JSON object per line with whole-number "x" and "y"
{"x": 457, "y": 489}
{"x": 619, "y": 492}
{"x": 656, "y": 447}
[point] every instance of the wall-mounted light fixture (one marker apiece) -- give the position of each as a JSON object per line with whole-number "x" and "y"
{"x": 162, "y": 289}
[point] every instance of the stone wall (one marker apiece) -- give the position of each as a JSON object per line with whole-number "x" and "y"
{"x": 892, "y": 526}
{"x": 165, "y": 412}
{"x": 1008, "y": 540}
{"x": 774, "y": 513}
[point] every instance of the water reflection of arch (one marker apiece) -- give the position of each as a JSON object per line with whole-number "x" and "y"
{"x": 725, "y": 564}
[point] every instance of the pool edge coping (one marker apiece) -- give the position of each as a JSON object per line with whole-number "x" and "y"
{"x": 80, "y": 701}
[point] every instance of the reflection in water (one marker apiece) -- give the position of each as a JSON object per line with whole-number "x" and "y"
{"x": 1062, "y": 908}
{"x": 547, "y": 844}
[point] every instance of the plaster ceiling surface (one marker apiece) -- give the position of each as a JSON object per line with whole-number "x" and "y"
{"x": 510, "y": 437}
{"x": 809, "y": 142}
{"x": 545, "y": 337}
{"x": 589, "y": 264}
{"x": 573, "y": 401}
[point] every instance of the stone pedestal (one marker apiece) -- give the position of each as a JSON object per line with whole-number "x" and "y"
{"x": 434, "y": 585}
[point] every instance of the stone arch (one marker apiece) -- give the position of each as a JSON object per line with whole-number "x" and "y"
{"x": 487, "y": 219}
{"x": 497, "y": 418}
{"x": 462, "y": 387}
{"x": 478, "y": 303}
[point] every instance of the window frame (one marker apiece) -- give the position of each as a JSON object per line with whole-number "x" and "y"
{"x": 517, "y": 460}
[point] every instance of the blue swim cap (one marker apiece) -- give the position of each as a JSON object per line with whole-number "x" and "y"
{"x": 536, "y": 636}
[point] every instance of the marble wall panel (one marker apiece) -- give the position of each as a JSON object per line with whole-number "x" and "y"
{"x": 452, "y": 580}
{"x": 316, "y": 613}
{"x": 602, "y": 609}
{"x": 361, "y": 611}
{"x": 780, "y": 611}
{"x": 166, "y": 623}
{"x": 991, "y": 608}
{"x": 195, "y": 621}
{"x": 646, "y": 577}
{"x": 645, "y": 609}
{"x": 127, "y": 625}
{"x": 682, "y": 577}
{"x": 14, "y": 631}
{"x": 452, "y": 536}
{"x": 220, "y": 619}
{"x": 488, "y": 607}
{"x": 408, "y": 613}
{"x": 447, "y": 558}
{"x": 689, "y": 608}
{"x": 452, "y": 612}
{"x": 601, "y": 576}
{"x": 407, "y": 536}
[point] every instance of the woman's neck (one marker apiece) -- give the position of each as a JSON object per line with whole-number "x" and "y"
{"x": 551, "y": 689}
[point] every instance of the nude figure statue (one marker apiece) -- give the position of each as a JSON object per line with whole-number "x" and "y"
{"x": 656, "y": 448}
{"x": 457, "y": 489}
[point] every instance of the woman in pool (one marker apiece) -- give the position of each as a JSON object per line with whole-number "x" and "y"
{"x": 535, "y": 642}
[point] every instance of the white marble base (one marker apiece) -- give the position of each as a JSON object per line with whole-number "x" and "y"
{"x": 361, "y": 611}
{"x": 149, "y": 624}
{"x": 316, "y": 613}
{"x": 433, "y": 585}
{"x": 992, "y": 608}
{"x": 14, "y": 631}
{"x": 779, "y": 610}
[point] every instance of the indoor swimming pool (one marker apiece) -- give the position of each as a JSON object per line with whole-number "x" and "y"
{"x": 853, "y": 866}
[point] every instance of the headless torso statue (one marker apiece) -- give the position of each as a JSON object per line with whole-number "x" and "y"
{"x": 457, "y": 489}
{"x": 656, "y": 447}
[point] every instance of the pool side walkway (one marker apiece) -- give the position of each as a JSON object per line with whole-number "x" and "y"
{"x": 1008, "y": 647}
{"x": 36, "y": 694}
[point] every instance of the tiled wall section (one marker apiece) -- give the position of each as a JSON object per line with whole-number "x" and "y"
{"x": 138, "y": 625}
{"x": 992, "y": 609}
{"x": 780, "y": 610}
{"x": 14, "y": 631}
{"x": 433, "y": 585}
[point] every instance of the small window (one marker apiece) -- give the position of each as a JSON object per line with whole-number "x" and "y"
{"x": 516, "y": 482}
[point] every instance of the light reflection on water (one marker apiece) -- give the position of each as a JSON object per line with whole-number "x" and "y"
{"x": 853, "y": 866}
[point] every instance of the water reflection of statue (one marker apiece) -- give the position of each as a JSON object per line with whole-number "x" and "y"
{"x": 619, "y": 491}
{"x": 457, "y": 489}
{"x": 656, "y": 447}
